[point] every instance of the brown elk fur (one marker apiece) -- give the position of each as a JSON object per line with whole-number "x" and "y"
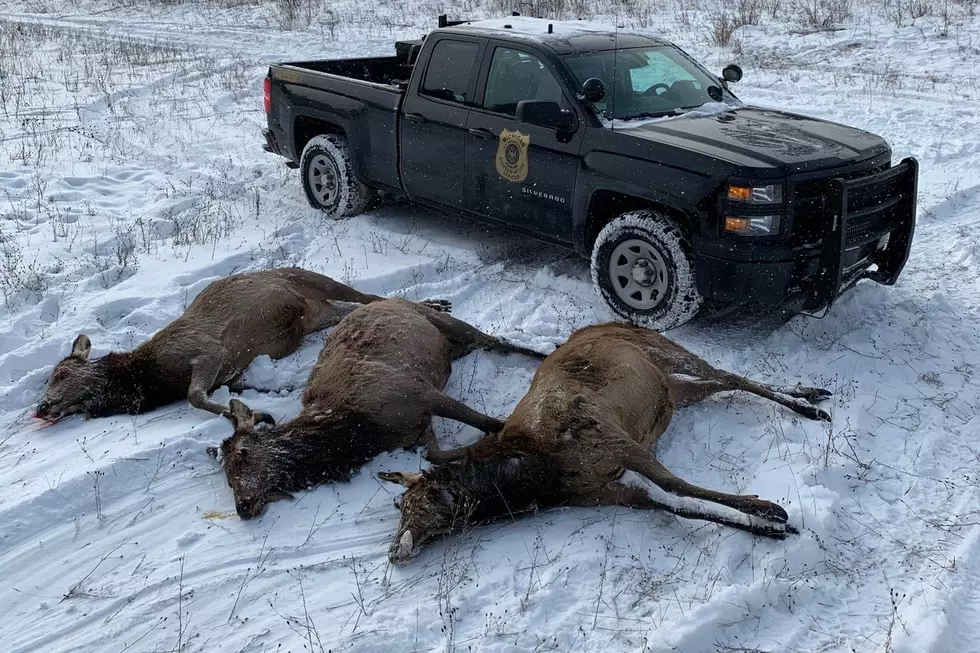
{"x": 595, "y": 408}
{"x": 377, "y": 383}
{"x": 231, "y": 322}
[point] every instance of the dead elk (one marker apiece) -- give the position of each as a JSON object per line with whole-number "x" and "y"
{"x": 596, "y": 407}
{"x": 377, "y": 383}
{"x": 231, "y": 322}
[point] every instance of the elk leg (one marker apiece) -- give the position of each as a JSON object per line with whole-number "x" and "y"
{"x": 322, "y": 315}
{"x": 442, "y": 405}
{"x": 204, "y": 373}
{"x": 467, "y": 338}
{"x": 687, "y": 392}
{"x": 484, "y": 447}
{"x": 618, "y": 494}
{"x": 438, "y": 305}
{"x": 640, "y": 460}
{"x": 236, "y": 386}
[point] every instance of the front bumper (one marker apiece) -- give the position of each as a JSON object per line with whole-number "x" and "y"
{"x": 868, "y": 224}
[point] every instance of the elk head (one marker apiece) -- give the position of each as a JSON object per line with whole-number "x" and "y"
{"x": 447, "y": 498}
{"x": 75, "y": 385}
{"x": 254, "y": 471}
{"x": 430, "y": 507}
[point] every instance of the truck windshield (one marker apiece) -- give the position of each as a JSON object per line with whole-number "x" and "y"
{"x": 649, "y": 82}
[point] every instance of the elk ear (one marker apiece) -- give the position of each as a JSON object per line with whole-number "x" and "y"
{"x": 81, "y": 347}
{"x": 240, "y": 415}
{"x": 243, "y": 452}
{"x": 402, "y": 478}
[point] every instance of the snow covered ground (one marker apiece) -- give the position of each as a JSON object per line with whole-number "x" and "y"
{"x": 131, "y": 175}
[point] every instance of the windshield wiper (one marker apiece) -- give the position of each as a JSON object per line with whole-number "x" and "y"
{"x": 651, "y": 114}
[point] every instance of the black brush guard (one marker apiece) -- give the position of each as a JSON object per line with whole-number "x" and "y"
{"x": 854, "y": 240}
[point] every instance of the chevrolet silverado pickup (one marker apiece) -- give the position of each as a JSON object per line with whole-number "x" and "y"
{"x": 616, "y": 145}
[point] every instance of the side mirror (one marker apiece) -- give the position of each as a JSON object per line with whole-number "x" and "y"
{"x": 594, "y": 89}
{"x": 731, "y": 73}
{"x": 545, "y": 113}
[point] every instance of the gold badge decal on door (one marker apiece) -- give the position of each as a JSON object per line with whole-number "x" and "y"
{"x": 512, "y": 155}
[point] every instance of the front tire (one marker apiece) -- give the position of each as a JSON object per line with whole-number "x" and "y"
{"x": 328, "y": 179}
{"x": 642, "y": 268}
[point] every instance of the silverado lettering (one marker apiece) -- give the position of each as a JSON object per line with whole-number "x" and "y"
{"x": 545, "y": 196}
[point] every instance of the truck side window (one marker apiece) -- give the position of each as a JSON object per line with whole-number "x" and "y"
{"x": 450, "y": 69}
{"x": 516, "y": 76}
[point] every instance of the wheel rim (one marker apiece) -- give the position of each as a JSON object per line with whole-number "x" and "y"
{"x": 322, "y": 175}
{"x": 638, "y": 274}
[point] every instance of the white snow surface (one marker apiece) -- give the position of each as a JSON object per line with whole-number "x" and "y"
{"x": 132, "y": 174}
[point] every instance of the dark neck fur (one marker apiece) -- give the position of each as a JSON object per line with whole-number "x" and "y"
{"x": 504, "y": 485}
{"x": 133, "y": 383}
{"x": 330, "y": 450}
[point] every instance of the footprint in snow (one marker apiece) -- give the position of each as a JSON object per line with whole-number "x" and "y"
{"x": 189, "y": 538}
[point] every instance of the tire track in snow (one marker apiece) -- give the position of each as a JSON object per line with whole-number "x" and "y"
{"x": 962, "y": 605}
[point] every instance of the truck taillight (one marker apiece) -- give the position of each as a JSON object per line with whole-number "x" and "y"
{"x": 267, "y": 94}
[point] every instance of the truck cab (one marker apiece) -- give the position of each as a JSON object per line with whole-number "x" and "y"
{"x": 616, "y": 145}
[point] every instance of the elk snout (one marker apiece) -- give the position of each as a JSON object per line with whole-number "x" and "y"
{"x": 248, "y": 509}
{"x": 403, "y": 550}
{"x": 46, "y": 410}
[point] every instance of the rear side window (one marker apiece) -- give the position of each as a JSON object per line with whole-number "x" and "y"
{"x": 450, "y": 70}
{"x": 516, "y": 76}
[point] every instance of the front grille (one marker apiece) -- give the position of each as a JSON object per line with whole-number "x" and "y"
{"x": 808, "y": 203}
{"x": 869, "y": 210}
{"x": 808, "y": 212}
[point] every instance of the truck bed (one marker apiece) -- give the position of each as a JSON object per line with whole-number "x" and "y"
{"x": 359, "y": 97}
{"x": 387, "y": 71}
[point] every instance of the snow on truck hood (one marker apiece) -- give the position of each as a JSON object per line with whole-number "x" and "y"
{"x": 757, "y": 136}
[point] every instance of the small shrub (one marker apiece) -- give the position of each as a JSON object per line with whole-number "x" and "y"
{"x": 723, "y": 28}
{"x": 748, "y": 12}
{"x": 915, "y": 9}
{"x": 294, "y": 14}
{"x": 772, "y": 7}
{"x": 823, "y": 14}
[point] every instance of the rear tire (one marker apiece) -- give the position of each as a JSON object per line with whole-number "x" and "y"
{"x": 328, "y": 179}
{"x": 642, "y": 268}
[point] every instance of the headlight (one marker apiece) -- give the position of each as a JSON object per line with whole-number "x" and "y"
{"x": 771, "y": 194}
{"x": 758, "y": 225}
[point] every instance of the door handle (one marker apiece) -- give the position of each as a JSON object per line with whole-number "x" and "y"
{"x": 481, "y": 132}
{"x": 415, "y": 117}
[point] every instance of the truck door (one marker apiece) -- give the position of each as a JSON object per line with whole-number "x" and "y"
{"x": 433, "y": 122}
{"x": 516, "y": 172}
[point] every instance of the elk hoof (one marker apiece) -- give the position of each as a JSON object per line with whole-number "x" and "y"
{"x": 775, "y": 533}
{"x": 213, "y": 452}
{"x": 821, "y": 415}
{"x": 768, "y": 511}
{"x": 440, "y": 305}
{"x": 813, "y": 395}
{"x": 259, "y": 417}
{"x": 810, "y": 411}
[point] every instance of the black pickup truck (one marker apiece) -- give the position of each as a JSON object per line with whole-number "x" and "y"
{"x": 617, "y": 145}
